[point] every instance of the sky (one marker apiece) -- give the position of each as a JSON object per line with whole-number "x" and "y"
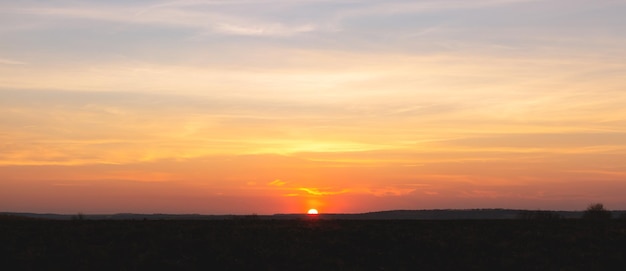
{"x": 278, "y": 106}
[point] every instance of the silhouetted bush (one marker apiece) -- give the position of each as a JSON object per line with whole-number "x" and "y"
{"x": 78, "y": 217}
{"x": 596, "y": 211}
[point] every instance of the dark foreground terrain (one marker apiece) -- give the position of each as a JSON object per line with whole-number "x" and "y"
{"x": 312, "y": 244}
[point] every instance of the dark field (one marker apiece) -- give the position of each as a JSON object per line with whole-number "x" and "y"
{"x": 311, "y": 244}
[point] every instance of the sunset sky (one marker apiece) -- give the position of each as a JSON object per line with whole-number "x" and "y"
{"x": 278, "y": 106}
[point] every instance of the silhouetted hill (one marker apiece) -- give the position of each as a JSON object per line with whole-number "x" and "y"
{"x": 440, "y": 214}
{"x": 5, "y": 217}
{"x": 21, "y": 216}
{"x": 451, "y": 214}
{"x": 123, "y": 216}
{"x": 435, "y": 214}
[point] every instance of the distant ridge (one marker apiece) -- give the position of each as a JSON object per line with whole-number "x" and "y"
{"x": 451, "y": 214}
{"x": 432, "y": 214}
{"x": 120, "y": 216}
{"x": 445, "y": 214}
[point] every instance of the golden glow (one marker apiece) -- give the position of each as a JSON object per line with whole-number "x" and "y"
{"x": 171, "y": 111}
{"x": 312, "y": 212}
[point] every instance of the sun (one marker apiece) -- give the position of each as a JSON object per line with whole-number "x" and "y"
{"x": 312, "y": 212}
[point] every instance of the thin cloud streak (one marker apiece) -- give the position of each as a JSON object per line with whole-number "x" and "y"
{"x": 4, "y": 61}
{"x": 406, "y": 7}
{"x": 205, "y": 21}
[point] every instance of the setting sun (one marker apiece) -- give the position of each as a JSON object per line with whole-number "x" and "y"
{"x": 312, "y": 212}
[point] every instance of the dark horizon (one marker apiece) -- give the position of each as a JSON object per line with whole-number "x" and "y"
{"x": 418, "y": 214}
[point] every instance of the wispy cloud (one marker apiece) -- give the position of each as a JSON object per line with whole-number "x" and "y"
{"x": 177, "y": 14}
{"x": 272, "y": 29}
{"x": 322, "y": 192}
{"x": 390, "y": 191}
{"x": 277, "y": 183}
{"x": 6, "y": 61}
{"x": 251, "y": 18}
{"x": 404, "y": 7}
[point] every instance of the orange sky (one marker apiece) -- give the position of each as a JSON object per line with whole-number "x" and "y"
{"x": 239, "y": 108}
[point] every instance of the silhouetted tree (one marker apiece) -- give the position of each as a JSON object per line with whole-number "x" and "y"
{"x": 596, "y": 211}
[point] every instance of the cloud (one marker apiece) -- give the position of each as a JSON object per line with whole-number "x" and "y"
{"x": 272, "y": 29}
{"x": 318, "y": 192}
{"x": 247, "y": 18}
{"x": 571, "y": 140}
{"x": 5, "y": 61}
{"x": 176, "y": 14}
{"x": 391, "y": 191}
{"x": 277, "y": 183}
{"x": 407, "y": 7}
